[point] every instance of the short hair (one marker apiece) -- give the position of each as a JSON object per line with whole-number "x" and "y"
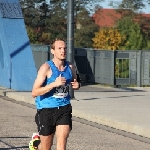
{"x": 52, "y": 44}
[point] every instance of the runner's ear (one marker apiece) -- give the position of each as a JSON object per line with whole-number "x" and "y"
{"x": 52, "y": 51}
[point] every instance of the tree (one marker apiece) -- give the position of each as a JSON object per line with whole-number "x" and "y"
{"x": 84, "y": 29}
{"x": 58, "y": 12}
{"x": 135, "y": 24}
{"x": 131, "y": 29}
{"x": 108, "y": 39}
{"x": 51, "y": 19}
{"x": 133, "y": 5}
{"x": 30, "y": 12}
{"x": 33, "y": 35}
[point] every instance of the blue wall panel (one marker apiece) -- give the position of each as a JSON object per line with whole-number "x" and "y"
{"x": 4, "y": 58}
{"x": 17, "y": 69}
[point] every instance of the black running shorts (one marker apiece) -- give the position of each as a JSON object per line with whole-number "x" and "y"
{"x": 48, "y": 118}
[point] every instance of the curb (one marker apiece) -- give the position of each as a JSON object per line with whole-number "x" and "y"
{"x": 134, "y": 129}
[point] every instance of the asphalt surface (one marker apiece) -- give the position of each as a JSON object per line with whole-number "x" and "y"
{"x": 17, "y": 125}
{"x": 124, "y": 111}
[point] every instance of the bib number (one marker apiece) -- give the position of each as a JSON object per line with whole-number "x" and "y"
{"x": 61, "y": 92}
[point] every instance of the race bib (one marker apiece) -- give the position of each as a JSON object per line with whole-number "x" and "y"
{"x": 61, "y": 92}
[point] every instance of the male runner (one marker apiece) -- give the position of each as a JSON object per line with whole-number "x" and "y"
{"x": 51, "y": 89}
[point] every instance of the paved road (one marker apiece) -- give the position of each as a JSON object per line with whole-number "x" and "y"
{"x": 17, "y": 126}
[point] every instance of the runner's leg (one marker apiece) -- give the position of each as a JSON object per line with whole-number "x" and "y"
{"x": 62, "y": 133}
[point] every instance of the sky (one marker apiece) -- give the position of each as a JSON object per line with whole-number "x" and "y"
{"x": 105, "y": 4}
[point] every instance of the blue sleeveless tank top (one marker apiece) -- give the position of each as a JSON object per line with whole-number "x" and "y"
{"x": 57, "y": 96}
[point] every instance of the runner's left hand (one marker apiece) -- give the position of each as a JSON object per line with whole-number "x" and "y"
{"x": 75, "y": 84}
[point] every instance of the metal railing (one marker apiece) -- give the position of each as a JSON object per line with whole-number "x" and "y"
{"x": 103, "y": 66}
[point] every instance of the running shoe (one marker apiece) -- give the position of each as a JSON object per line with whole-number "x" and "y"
{"x": 35, "y": 137}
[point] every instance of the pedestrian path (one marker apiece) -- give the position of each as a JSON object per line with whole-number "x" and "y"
{"x": 124, "y": 109}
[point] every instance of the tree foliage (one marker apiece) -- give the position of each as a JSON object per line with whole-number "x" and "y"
{"x": 122, "y": 68}
{"x": 33, "y": 35}
{"x": 131, "y": 29}
{"x": 133, "y": 5}
{"x": 133, "y": 23}
{"x": 50, "y": 20}
{"x": 84, "y": 29}
{"x": 108, "y": 39}
{"x": 30, "y": 12}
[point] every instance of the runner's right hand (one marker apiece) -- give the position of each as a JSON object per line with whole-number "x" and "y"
{"x": 60, "y": 81}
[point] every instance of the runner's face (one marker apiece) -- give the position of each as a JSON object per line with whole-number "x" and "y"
{"x": 60, "y": 50}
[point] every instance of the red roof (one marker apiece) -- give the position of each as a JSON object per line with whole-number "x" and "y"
{"x": 108, "y": 17}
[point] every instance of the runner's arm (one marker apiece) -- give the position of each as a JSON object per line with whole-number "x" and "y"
{"x": 38, "y": 89}
{"x": 75, "y": 75}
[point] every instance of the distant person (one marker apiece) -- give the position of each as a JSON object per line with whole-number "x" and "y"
{"x": 51, "y": 89}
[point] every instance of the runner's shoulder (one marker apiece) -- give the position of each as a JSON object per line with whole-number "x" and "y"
{"x": 71, "y": 65}
{"x": 44, "y": 67}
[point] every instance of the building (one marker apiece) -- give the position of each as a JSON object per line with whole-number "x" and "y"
{"x": 108, "y": 17}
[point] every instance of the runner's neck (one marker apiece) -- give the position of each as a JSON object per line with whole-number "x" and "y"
{"x": 59, "y": 64}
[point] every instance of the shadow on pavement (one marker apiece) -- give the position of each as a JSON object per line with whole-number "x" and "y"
{"x": 22, "y": 147}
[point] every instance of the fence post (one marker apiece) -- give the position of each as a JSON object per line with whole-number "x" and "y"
{"x": 90, "y": 65}
{"x": 139, "y": 68}
{"x": 113, "y": 68}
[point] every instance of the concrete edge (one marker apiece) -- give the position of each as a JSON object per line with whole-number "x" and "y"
{"x": 17, "y": 97}
{"x": 112, "y": 123}
{"x": 21, "y": 98}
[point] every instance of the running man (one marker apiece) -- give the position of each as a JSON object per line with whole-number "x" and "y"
{"x": 51, "y": 90}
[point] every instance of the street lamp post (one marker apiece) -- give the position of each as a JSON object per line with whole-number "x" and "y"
{"x": 70, "y": 36}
